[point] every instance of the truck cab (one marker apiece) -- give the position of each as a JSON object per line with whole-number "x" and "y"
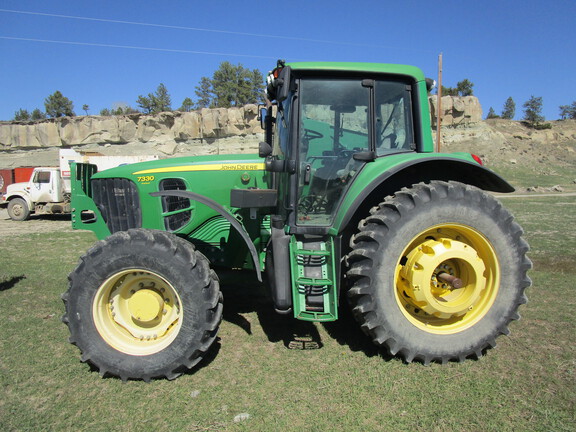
{"x": 44, "y": 192}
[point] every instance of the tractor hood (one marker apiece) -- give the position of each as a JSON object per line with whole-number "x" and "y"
{"x": 175, "y": 166}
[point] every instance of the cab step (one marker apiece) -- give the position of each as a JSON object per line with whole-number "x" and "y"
{"x": 314, "y": 281}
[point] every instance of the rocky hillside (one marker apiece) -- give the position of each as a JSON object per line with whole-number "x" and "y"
{"x": 506, "y": 146}
{"x": 533, "y": 160}
{"x": 207, "y": 131}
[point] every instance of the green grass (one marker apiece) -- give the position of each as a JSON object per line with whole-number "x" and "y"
{"x": 527, "y": 383}
{"x": 522, "y": 177}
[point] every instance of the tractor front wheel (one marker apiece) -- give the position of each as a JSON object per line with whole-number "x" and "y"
{"x": 143, "y": 304}
{"x": 437, "y": 272}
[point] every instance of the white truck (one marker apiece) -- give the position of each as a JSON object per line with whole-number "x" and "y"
{"x": 48, "y": 190}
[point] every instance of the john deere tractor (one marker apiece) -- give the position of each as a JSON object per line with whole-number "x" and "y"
{"x": 346, "y": 199}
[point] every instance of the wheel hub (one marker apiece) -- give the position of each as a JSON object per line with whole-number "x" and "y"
{"x": 426, "y": 291}
{"x": 145, "y": 305}
{"x": 137, "y": 312}
{"x": 17, "y": 210}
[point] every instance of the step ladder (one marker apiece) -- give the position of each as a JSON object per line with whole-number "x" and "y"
{"x": 314, "y": 284}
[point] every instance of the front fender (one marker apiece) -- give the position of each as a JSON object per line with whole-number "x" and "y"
{"x": 20, "y": 194}
{"x": 389, "y": 174}
{"x": 225, "y": 213}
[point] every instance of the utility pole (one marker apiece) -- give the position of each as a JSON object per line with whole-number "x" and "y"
{"x": 439, "y": 103}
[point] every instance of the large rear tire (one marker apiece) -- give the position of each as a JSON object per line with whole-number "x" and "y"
{"x": 143, "y": 304}
{"x": 409, "y": 249}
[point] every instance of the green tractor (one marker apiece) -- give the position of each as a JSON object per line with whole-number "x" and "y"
{"x": 346, "y": 198}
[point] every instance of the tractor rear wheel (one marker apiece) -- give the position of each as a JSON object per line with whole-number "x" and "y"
{"x": 437, "y": 272}
{"x": 143, "y": 304}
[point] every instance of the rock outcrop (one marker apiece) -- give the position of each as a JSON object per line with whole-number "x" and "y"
{"x": 205, "y": 125}
{"x": 172, "y": 128}
{"x": 456, "y": 110}
{"x": 203, "y": 132}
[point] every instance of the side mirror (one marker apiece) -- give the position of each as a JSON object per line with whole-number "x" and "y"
{"x": 262, "y": 113}
{"x": 264, "y": 149}
{"x": 283, "y": 84}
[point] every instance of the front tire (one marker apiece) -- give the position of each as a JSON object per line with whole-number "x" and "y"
{"x": 406, "y": 249}
{"x": 143, "y": 304}
{"x": 18, "y": 210}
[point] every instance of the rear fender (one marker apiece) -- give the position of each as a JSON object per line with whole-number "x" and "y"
{"x": 371, "y": 187}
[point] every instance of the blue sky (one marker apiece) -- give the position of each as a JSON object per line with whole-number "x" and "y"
{"x": 506, "y": 47}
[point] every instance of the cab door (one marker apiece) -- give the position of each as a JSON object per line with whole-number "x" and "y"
{"x": 44, "y": 186}
{"x": 335, "y": 123}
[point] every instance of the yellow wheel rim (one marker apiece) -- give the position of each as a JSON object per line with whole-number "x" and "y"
{"x": 137, "y": 312}
{"x": 441, "y": 254}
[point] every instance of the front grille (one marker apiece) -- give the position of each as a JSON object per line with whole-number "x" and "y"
{"x": 118, "y": 202}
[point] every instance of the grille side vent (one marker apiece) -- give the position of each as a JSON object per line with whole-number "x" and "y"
{"x": 118, "y": 201}
{"x": 179, "y": 207}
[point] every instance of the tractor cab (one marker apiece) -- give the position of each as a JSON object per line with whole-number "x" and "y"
{"x": 328, "y": 126}
{"x": 330, "y": 122}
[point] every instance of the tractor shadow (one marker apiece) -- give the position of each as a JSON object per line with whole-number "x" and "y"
{"x": 243, "y": 294}
{"x": 10, "y": 283}
{"x": 51, "y": 217}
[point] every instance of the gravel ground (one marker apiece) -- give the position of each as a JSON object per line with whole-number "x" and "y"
{"x": 36, "y": 224}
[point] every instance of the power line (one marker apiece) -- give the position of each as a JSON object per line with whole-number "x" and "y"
{"x": 203, "y": 29}
{"x": 135, "y": 47}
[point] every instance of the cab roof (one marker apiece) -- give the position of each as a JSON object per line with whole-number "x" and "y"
{"x": 386, "y": 68}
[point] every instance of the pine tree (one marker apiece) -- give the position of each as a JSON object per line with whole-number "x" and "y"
{"x": 568, "y": 111}
{"x": 146, "y": 103}
{"x": 187, "y": 105}
{"x": 533, "y": 111}
{"x": 464, "y": 88}
{"x": 38, "y": 115}
{"x": 225, "y": 85}
{"x": 155, "y": 103}
{"x": 509, "y": 109}
{"x": 162, "y": 100}
{"x": 204, "y": 92}
{"x": 492, "y": 114}
{"x": 57, "y": 105}
{"x": 231, "y": 85}
{"x": 21, "y": 115}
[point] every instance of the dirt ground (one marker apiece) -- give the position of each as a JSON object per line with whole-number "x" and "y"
{"x": 36, "y": 224}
